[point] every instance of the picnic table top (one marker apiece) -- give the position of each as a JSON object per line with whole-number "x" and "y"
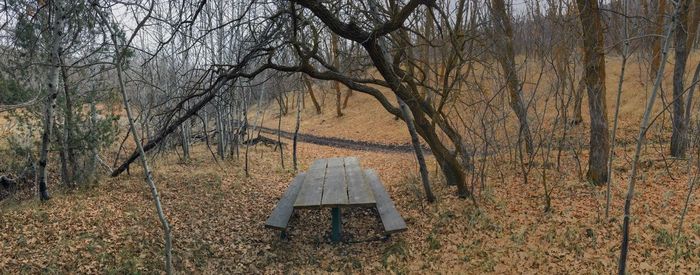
{"x": 335, "y": 182}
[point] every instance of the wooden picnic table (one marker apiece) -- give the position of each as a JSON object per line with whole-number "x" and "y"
{"x": 337, "y": 183}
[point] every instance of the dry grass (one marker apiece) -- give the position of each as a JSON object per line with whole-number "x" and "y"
{"x": 365, "y": 119}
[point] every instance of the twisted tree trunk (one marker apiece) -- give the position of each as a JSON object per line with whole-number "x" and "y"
{"x": 426, "y": 118}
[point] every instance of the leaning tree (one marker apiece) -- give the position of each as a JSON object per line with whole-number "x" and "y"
{"x": 268, "y": 44}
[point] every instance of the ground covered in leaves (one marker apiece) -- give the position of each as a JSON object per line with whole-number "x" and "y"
{"x": 217, "y": 214}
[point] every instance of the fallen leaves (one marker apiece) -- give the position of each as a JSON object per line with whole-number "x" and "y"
{"x": 217, "y": 216}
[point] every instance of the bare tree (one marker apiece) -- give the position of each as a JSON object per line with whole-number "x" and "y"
{"x": 407, "y": 116}
{"x": 335, "y": 53}
{"x": 296, "y": 135}
{"x": 311, "y": 93}
{"x": 594, "y": 60}
{"x": 55, "y": 35}
{"x": 679, "y": 133}
{"x": 640, "y": 142}
{"x": 656, "y": 48}
{"x": 625, "y": 55}
{"x": 693, "y": 169}
{"x": 504, "y": 42}
{"x": 119, "y": 58}
{"x": 426, "y": 117}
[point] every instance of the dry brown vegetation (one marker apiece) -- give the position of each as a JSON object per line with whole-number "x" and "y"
{"x": 217, "y": 214}
{"x": 488, "y": 85}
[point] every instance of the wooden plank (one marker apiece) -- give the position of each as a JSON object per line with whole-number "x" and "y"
{"x": 351, "y": 161}
{"x": 335, "y": 189}
{"x": 335, "y": 162}
{"x": 359, "y": 192}
{"x": 279, "y": 219}
{"x": 387, "y": 211}
{"x": 312, "y": 187}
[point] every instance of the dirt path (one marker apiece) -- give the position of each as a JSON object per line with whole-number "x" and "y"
{"x": 399, "y": 148}
{"x": 345, "y": 143}
{"x": 362, "y": 145}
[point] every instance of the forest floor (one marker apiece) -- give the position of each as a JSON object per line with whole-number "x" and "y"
{"x": 217, "y": 216}
{"x": 217, "y": 213}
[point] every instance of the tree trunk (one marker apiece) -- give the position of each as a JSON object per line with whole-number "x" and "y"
{"x": 622, "y": 265}
{"x": 65, "y": 177}
{"x": 692, "y": 180}
{"x": 209, "y": 94}
{"x": 237, "y": 138}
{"x": 691, "y": 92}
{"x": 279, "y": 137}
{"x": 311, "y": 93}
{"x": 233, "y": 124}
{"x": 294, "y": 139}
{"x": 224, "y": 127}
{"x": 185, "y": 142}
{"x": 578, "y": 101}
{"x": 693, "y": 20}
{"x": 245, "y": 131}
{"x": 220, "y": 133}
{"x": 336, "y": 64}
{"x": 594, "y": 61}
{"x": 348, "y": 93}
{"x": 56, "y": 30}
{"x": 625, "y": 53}
{"x": 147, "y": 170}
{"x": 376, "y": 48}
{"x": 418, "y": 150}
{"x": 92, "y": 170}
{"x": 338, "y": 103}
{"x": 429, "y": 96}
{"x": 679, "y": 133}
{"x": 146, "y": 119}
{"x": 282, "y": 105}
{"x": 451, "y": 168}
{"x": 119, "y": 55}
{"x": 68, "y": 128}
{"x": 504, "y": 40}
{"x": 656, "y": 48}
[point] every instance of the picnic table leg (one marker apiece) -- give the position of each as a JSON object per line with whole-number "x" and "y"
{"x": 335, "y": 221}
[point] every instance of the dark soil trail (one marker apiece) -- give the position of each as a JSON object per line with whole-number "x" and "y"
{"x": 345, "y": 143}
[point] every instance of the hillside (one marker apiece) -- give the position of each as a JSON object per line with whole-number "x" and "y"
{"x": 365, "y": 119}
{"x": 217, "y": 213}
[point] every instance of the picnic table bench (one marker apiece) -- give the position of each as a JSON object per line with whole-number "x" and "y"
{"x": 336, "y": 183}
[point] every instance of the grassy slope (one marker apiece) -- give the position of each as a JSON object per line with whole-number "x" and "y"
{"x": 365, "y": 119}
